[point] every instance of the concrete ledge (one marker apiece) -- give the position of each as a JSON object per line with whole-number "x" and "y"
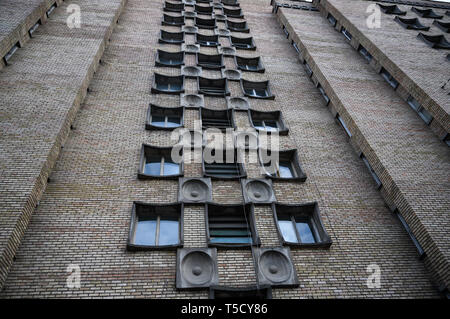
{"x": 40, "y": 93}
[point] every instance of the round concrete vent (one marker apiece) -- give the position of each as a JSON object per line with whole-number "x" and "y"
{"x": 193, "y": 100}
{"x": 192, "y": 71}
{"x": 258, "y": 191}
{"x": 275, "y": 266}
{"x": 195, "y": 190}
{"x": 232, "y": 74}
{"x": 238, "y": 103}
{"x": 197, "y": 268}
{"x": 223, "y": 32}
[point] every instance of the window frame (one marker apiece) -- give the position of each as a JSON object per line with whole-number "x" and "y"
{"x": 266, "y": 85}
{"x": 152, "y": 107}
{"x": 346, "y": 33}
{"x": 286, "y": 155}
{"x": 241, "y": 174}
{"x": 324, "y": 94}
{"x": 420, "y": 110}
{"x": 342, "y": 123}
{"x": 371, "y": 170}
{"x": 331, "y": 19}
{"x": 276, "y": 116}
{"x": 365, "y": 53}
{"x": 161, "y": 153}
{"x": 389, "y": 78}
{"x": 250, "y": 219}
{"x": 156, "y": 90}
{"x": 249, "y": 292}
{"x": 229, "y": 114}
{"x": 179, "y": 206}
{"x": 413, "y": 238}
{"x": 308, "y": 210}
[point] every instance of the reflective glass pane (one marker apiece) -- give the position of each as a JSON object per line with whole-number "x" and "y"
{"x": 153, "y": 166}
{"x": 173, "y": 121}
{"x": 168, "y": 232}
{"x": 288, "y": 231}
{"x": 145, "y": 232}
{"x": 305, "y": 231}
{"x": 232, "y": 240}
{"x": 258, "y": 124}
{"x": 271, "y": 125}
{"x": 171, "y": 168}
{"x": 158, "y": 120}
{"x": 286, "y": 170}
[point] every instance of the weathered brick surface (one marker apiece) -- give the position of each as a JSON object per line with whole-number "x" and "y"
{"x": 40, "y": 93}
{"x": 410, "y": 161}
{"x": 83, "y": 217}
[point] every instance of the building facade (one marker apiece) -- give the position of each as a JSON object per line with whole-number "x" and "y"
{"x": 354, "y": 93}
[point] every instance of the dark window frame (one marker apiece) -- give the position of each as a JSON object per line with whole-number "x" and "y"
{"x": 268, "y": 116}
{"x": 208, "y": 113}
{"x": 166, "y": 112}
{"x": 365, "y": 53}
{"x": 290, "y": 156}
{"x": 240, "y": 169}
{"x": 371, "y": 170}
{"x": 161, "y": 151}
{"x": 389, "y": 78}
{"x": 238, "y": 42}
{"x": 160, "y": 53}
{"x": 202, "y": 61}
{"x": 331, "y": 19}
{"x": 156, "y": 90}
{"x": 309, "y": 211}
{"x": 168, "y": 33}
{"x": 249, "y": 292}
{"x": 131, "y": 246}
{"x": 207, "y": 92}
{"x": 264, "y": 84}
{"x": 240, "y": 62}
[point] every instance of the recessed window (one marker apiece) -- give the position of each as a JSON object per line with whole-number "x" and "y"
{"x": 371, "y": 170}
{"x": 168, "y": 84}
{"x": 423, "y": 113}
{"x": 426, "y": 13}
{"x": 257, "y": 90}
{"x": 50, "y": 10}
{"x": 435, "y": 41}
{"x": 237, "y": 26}
{"x": 231, "y": 225}
{"x": 365, "y": 53}
{"x": 300, "y": 225}
{"x": 213, "y": 87}
{"x": 344, "y": 126}
{"x": 391, "y": 9}
{"x": 155, "y": 226}
{"x": 295, "y": 46}
{"x": 243, "y": 43}
{"x": 324, "y": 95}
{"x": 34, "y": 28}
{"x": 10, "y": 53}
{"x": 157, "y": 162}
{"x": 173, "y": 7}
{"x": 233, "y": 13}
{"x": 347, "y": 34}
{"x": 164, "y": 118}
{"x": 286, "y": 32}
{"x": 331, "y": 19}
{"x": 446, "y": 139}
{"x": 232, "y": 3}
{"x": 444, "y": 26}
{"x": 169, "y": 59}
{"x": 282, "y": 166}
{"x": 221, "y": 119}
{"x": 389, "y": 78}
{"x": 412, "y": 24}
{"x": 210, "y": 61}
{"x": 203, "y": 9}
{"x": 249, "y": 64}
{"x": 260, "y": 292}
{"x": 171, "y": 37}
{"x": 268, "y": 121}
{"x": 222, "y": 164}
{"x": 307, "y": 68}
{"x": 172, "y": 20}
{"x": 207, "y": 40}
{"x": 410, "y": 234}
{"x": 205, "y": 23}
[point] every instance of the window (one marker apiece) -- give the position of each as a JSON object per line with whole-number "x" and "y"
{"x": 446, "y": 139}
{"x": 10, "y": 53}
{"x": 50, "y": 10}
{"x": 286, "y": 32}
{"x": 344, "y": 126}
{"x": 365, "y": 53}
{"x": 213, "y": 87}
{"x": 163, "y": 118}
{"x": 173, "y": 7}
{"x": 208, "y": 61}
{"x": 391, "y": 9}
{"x": 371, "y": 170}
{"x": 324, "y": 95}
{"x": 268, "y": 121}
{"x": 157, "y": 162}
{"x": 168, "y": 84}
{"x": 347, "y": 34}
{"x": 389, "y": 78}
{"x": 412, "y": 24}
{"x": 243, "y": 43}
{"x": 300, "y": 225}
{"x": 416, "y": 106}
{"x": 230, "y": 225}
{"x": 444, "y": 26}
{"x": 331, "y": 19}
{"x": 410, "y": 234}
{"x": 173, "y": 20}
{"x": 307, "y": 68}
{"x": 426, "y": 13}
{"x": 207, "y": 40}
{"x": 237, "y": 26}
{"x": 233, "y": 13}
{"x": 156, "y": 226}
{"x": 435, "y": 41}
{"x": 34, "y": 28}
{"x": 171, "y": 37}
{"x": 295, "y": 46}
{"x": 203, "y": 9}
{"x": 258, "y": 90}
{"x": 222, "y": 165}
{"x": 169, "y": 59}
{"x": 249, "y": 64}
{"x": 205, "y": 23}
{"x": 221, "y": 119}
{"x": 283, "y": 166}
{"x": 260, "y": 292}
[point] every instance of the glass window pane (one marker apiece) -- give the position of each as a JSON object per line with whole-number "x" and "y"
{"x": 158, "y": 120}
{"x": 271, "y": 125}
{"x": 232, "y": 240}
{"x": 258, "y": 124}
{"x": 171, "y": 168}
{"x": 288, "y": 231}
{"x": 305, "y": 231}
{"x": 145, "y": 232}
{"x": 168, "y": 232}
{"x": 153, "y": 166}
{"x": 286, "y": 170}
{"x": 173, "y": 121}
